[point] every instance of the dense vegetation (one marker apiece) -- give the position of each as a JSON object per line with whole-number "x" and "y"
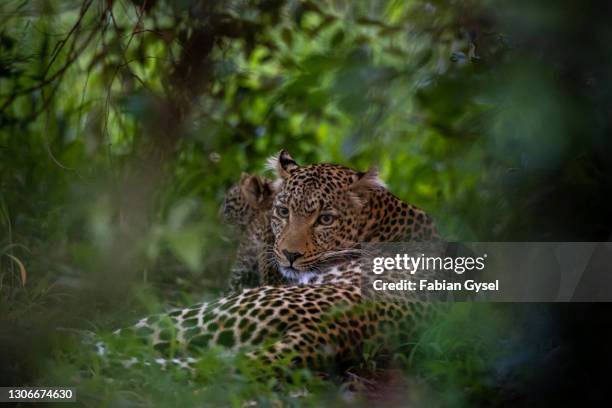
{"x": 123, "y": 122}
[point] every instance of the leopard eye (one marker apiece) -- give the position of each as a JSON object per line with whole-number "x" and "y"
{"x": 326, "y": 219}
{"x": 282, "y": 212}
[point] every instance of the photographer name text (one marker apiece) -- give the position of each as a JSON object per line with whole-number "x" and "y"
{"x": 435, "y": 285}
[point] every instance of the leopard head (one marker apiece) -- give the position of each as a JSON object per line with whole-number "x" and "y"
{"x": 245, "y": 199}
{"x": 319, "y": 214}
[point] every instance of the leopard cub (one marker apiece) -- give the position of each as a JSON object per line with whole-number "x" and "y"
{"x": 247, "y": 204}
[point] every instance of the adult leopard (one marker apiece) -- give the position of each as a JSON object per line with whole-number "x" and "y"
{"x": 321, "y": 213}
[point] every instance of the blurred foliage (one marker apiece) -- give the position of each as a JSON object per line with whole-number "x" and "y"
{"x": 123, "y": 122}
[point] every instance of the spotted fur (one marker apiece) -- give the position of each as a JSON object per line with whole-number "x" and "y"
{"x": 322, "y": 317}
{"x": 315, "y": 325}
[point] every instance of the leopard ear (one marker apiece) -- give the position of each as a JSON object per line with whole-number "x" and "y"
{"x": 256, "y": 190}
{"x": 368, "y": 179}
{"x": 283, "y": 164}
{"x": 363, "y": 183}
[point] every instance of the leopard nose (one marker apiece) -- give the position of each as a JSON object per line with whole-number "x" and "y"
{"x": 291, "y": 256}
